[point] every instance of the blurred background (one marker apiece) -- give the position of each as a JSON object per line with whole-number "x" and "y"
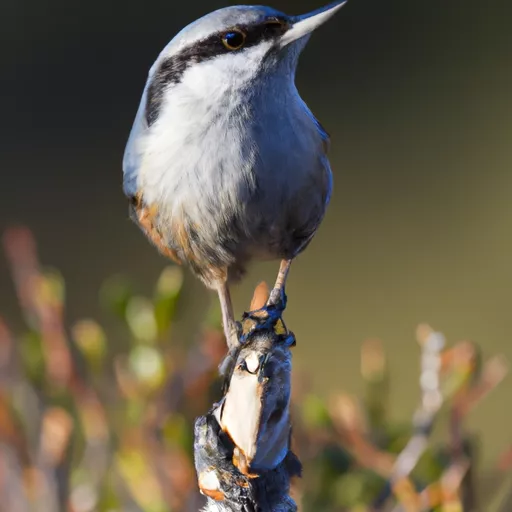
{"x": 416, "y": 97}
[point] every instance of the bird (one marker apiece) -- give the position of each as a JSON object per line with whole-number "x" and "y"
{"x": 225, "y": 163}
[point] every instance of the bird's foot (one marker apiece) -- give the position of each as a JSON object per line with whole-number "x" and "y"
{"x": 267, "y": 318}
{"x": 233, "y": 333}
{"x": 278, "y": 298}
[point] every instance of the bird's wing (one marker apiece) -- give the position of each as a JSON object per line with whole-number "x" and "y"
{"x": 304, "y": 235}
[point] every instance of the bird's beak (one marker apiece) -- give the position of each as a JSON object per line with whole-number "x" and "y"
{"x": 304, "y": 25}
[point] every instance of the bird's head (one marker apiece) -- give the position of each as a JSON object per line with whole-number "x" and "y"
{"x": 237, "y": 45}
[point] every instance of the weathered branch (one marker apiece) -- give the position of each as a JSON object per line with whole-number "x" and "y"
{"x": 242, "y": 447}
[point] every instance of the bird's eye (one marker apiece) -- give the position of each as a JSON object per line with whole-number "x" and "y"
{"x": 234, "y": 39}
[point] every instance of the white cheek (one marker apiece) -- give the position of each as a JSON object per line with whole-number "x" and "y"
{"x": 195, "y": 150}
{"x": 226, "y": 71}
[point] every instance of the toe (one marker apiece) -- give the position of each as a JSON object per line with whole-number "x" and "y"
{"x": 277, "y": 298}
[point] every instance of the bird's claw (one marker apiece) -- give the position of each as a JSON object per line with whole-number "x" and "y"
{"x": 278, "y": 299}
{"x": 239, "y": 329}
{"x": 290, "y": 340}
{"x": 267, "y": 318}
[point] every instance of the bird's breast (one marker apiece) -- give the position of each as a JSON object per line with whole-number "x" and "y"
{"x": 197, "y": 155}
{"x": 241, "y": 173}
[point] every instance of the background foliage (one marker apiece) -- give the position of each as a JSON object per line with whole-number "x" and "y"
{"x": 416, "y": 97}
{"x": 87, "y": 427}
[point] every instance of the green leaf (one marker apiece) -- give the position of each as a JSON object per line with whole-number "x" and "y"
{"x": 91, "y": 340}
{"x": 32, "y": 356}
{"x": 167, "y": 292}
{"x": 140, "y": 316}
{"x": 148, "y": 366}
{"x": 314, "y": 412}
{"x": 115, "y": 294}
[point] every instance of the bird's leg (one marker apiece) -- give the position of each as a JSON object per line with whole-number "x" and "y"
{"x": 228, "y": 316}
{"x": 269, "y": 314}
{"x": 277, "y": 295}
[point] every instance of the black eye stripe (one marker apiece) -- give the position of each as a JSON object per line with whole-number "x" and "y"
{"x": 172, "y": 69}
{"x": 270, "y": 29}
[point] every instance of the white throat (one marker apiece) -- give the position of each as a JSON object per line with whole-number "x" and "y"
{"x": 204, "y": 132}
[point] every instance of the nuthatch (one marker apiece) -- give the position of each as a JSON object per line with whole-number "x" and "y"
{"x": 225, "y": 162}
